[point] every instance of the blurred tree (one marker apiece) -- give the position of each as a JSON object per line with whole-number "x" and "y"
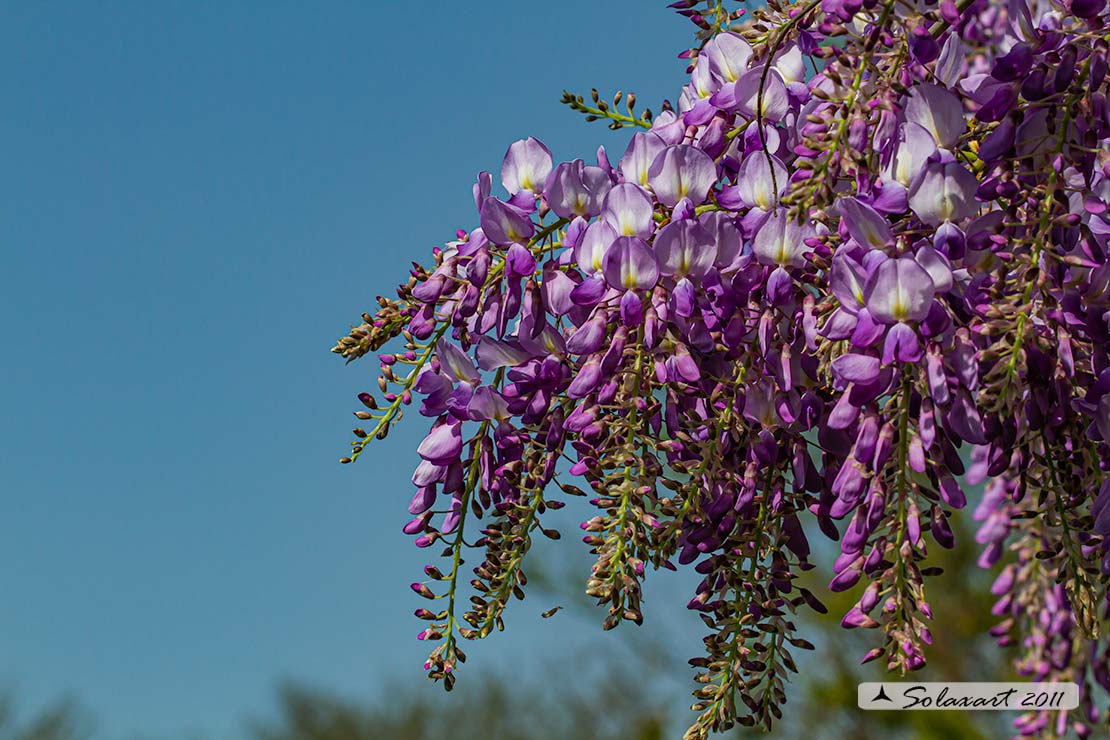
{"x": 494, "y": 707}
{"x": 62, "y": 720}
{"x": 961, "y": 651}
{"x": 626, "y": 702}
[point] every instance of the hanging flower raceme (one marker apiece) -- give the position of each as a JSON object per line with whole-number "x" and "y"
{"x": 862, "y": 267}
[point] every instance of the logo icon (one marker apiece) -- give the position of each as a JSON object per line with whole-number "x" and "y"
{"x": 882, "y": 695}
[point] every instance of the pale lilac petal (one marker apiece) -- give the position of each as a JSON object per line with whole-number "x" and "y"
{"x": 682, "y": 171}
{"x": 630, "y": 264}
{"x": 944, "y": 192}
{"x": 641, "y": 152}
{"x": 755, "y": 184}
{"x": 790, "y": 64}
{"x": 949, "y": 67}
{"x": 487, "y": 405}
{"x": 938, "y": 267}
{"x": 685, "y": 248}
{"x": 628, "y": 209}
{"x": 591, "y": 249}
{"x": 725, "y": 235}
{"x": 899, "y": 290}
{"x": 914, "y": 150}
{"x": 503, "y": 224}
{"x": 781, "y": 241}
{"x": 574, "y": 189}
{"x": 526, "y": 166}
{"x": 456, "y": 362}
{"x": 728, "y": 56}
{"x": 557, "y": 287}
{"x": 743, "y": 96}
{"x": 702, "y": 81}
{"x": 494, "y": 353}
{"x": 939, "y": 112}
{"x": 865, "y": 224}
{"x": 846, "y": 280}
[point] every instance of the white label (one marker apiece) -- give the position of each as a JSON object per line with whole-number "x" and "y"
{"x": 968, "y": 696}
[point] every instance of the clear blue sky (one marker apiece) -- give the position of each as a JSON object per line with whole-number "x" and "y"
{"x": 195, "y": 201}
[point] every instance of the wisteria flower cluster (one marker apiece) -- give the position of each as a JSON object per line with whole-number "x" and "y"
{"x": 862, "y": 265}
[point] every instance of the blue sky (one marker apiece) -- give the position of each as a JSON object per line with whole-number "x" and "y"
{"x": 195, "y": 201}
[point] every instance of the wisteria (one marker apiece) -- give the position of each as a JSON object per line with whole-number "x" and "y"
{"x": 861, "y": 266}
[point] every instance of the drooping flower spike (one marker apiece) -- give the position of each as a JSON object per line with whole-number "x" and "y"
{"x": 861, "y": 268}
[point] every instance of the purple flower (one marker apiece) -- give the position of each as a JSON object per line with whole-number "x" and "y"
{"x": 642, "y": 150}
{"x": 629, "y": 264}
{"x": 526, "y": 166}
{"x": 575, "y": 189}
{"x": 899, "y": 290}
{"x": 744, "y": 96}
{"x": 846, "y": 281}
{"x": 811, "y": 254}
{"x": 781, "y": 241}
{"x": 1100, "y": 510}
{"x": 493, "y": 354}
{"x": 504, "y": 224}
{"x": 724, "y": 235}
{"x": 488, "y": 405}
{"x": 728, "y": 56}
{"x": 939, "y": 112}
{"x": 590, "y": 251}
{"x": 682, "y": 171}
{"x": 456, "y": 362}
{"x": 685, "y": 248}
{"x": 755, "y": 184}
{"x": 853, "y": 368}
{"x": 443, "y": 444}
{"x": 912, "y": 151}
{"x": 628, "y": 209}
{"x": 944, "y": 192}
{"x": 865, "y": 224}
